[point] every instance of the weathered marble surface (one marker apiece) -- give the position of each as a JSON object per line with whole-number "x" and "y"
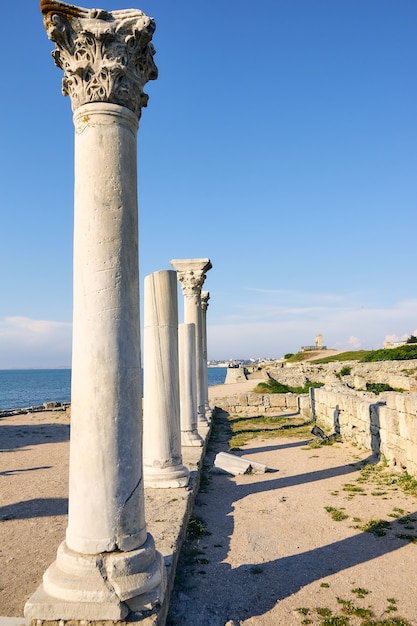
{"x": 108, "y": 565}
{"x": 188, "y": 395}
{"x": 191, "y": 276}
{"x": 162, "y": 460}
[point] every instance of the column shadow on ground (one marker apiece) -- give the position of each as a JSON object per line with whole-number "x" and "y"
{"x": 253, "y": 589}
{"x": 283, "y": 446}
{"x": 14, "y": 437}
{"x": 36, "y": 507}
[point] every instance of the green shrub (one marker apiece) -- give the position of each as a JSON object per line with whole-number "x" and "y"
{"x": 345, "y": 371}
{"x": 274, "y": 386}
{"x": 378, "y": 388}
{"x": 289, "y": 355}
{"x": 402, "y": 353}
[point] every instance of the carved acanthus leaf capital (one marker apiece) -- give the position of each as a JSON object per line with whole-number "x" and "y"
{"x": 205, "y": 297}
{"x": 105, "y": 56}
{"x": 191, "y": 283}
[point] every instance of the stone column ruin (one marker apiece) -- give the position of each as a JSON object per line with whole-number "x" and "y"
{"x": 188, "y": 393}
{"x": 191, "y": 276}
{"x": 108, "y": 565}
{"x": 162, "y": 459}
{"x": 205, "y": 297}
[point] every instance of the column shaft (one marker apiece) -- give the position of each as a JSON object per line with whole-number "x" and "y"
{"x": 192, "y": 315}
{"x": 205, "y": 297}
{"x": 188, "y": 395}
{"x": 191, "y": 275}
{"x": 105, "y": 456}
{"x": 162, "y": 433}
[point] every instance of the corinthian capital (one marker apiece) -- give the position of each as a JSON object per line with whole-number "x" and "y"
{"x": 191, "y": 275}
{"x": 191, "y": 283}
{"x": 105, "y": 56}
{"x": 205, "y": 297}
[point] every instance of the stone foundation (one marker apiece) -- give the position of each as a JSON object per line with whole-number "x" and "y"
{"x": 397, "y": 374}
{"x": 385, "y": 424}
{"x": 263, "y": 404}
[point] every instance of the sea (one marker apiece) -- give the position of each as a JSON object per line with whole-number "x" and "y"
{"x": 26, "y": 388}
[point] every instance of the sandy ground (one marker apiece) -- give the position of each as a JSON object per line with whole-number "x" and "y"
{"x": 33, "y": 502}
{"x": 272, "y": 546}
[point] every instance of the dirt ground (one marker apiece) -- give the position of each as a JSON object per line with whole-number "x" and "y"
{"x": 33, "y": 502}
{"x": 272, "y": 547}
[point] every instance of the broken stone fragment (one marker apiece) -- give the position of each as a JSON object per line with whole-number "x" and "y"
{"x": 233, "y": 464}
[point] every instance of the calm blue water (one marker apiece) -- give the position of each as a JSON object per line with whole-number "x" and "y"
{"x": 24, "y": 388}
{"x": 216, "y": 375}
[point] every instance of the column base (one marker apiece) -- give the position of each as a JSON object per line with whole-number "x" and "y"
{"x": 191, "y": 438}
{"x": 166, "y": 477}
{"x": 201, "y": 418}
{"x": 104, "y": 586}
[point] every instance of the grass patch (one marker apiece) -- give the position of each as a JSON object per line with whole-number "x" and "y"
{"x": 337, "y": 515}
{"x": 274, "y": 386}
{"x": 243, "y": 429}
{"x": 196, "y": 528}
{"x": 352, "y": 488}
{"x": 361, "y": 616}
{"x": 408, "y": 484}
{"x": 350, "y": 611}
{"x": 407, "y": 519}
{"x": 402, "y": 353}
{"x": 349, "y": 608}
{"x": 319, "y": 443}
{"x": 383, "y": 478}
{"x": 303, "y": 610}
{"x": 378, "y": 388}
{"x": 376, "y": 527}
{"x": 406, "y": 537}
{"x": 360, "y": 592}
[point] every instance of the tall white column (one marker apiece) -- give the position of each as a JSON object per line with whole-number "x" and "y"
{"x": 188, "y": 391}
{"x": 108, "y": 565}
{"x": 191, "y": 275}
{"x": 205, "y": 297}
{"x": 162, "y": 459}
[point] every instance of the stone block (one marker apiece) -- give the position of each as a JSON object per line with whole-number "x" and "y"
{"x": 232, "y": 464}
{"x": 50, "y": 405}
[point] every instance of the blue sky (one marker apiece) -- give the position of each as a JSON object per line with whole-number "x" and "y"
{"x": 280, "y": 141}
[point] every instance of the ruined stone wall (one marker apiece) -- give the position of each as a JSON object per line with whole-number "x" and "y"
{"x": 262, "y": 404}
{"x": 397, "y": 374}
{"x": 386, "y": 424}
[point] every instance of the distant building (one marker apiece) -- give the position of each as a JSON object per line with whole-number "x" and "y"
{"x": 318, "y": 345}
{"x": 394, "y": 344}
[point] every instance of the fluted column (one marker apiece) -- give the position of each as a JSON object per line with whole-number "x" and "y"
{"x": 162, "y": 459}
{"x": 205, "y": 297}
{"x": 188, "y": 396}
{"x": 191, "y": 276}
{"x": 108, "y": 565}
